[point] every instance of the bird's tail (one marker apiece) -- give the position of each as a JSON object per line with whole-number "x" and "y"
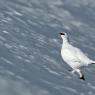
{"x": 93, "y": 62}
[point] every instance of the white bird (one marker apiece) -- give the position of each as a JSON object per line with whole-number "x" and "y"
{"x": 73, "y": 56}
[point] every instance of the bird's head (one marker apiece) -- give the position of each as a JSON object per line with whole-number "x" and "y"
{"x": 63, "y": 35}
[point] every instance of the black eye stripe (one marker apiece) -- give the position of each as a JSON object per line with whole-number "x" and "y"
{"x": 62, "y": 33}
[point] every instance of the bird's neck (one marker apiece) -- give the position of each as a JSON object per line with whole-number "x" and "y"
{"x": 65, "y": 42}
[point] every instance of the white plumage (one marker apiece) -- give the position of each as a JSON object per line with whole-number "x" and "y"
{"x": 73, "y": 56}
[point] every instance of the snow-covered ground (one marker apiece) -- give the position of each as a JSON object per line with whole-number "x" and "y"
{"x": 30, "y": 60}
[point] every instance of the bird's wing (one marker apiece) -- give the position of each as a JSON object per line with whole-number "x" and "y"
{"x": 81, "y": 56}
{"x": 69, "y": 55}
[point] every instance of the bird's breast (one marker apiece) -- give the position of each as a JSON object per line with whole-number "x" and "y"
{"x": 68, "y": 55}
{"x": 70, "y": 58}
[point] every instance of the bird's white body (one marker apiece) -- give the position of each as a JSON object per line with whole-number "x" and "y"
{"x": 73, "y": 56}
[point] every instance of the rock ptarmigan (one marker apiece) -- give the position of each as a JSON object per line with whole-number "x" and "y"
{"x": 73, "y": 56}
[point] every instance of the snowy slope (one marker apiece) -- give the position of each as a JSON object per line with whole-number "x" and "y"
{"x": 30, "y": 60}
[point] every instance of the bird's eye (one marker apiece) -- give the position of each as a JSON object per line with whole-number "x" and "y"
{"x": 62, "y": 33}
